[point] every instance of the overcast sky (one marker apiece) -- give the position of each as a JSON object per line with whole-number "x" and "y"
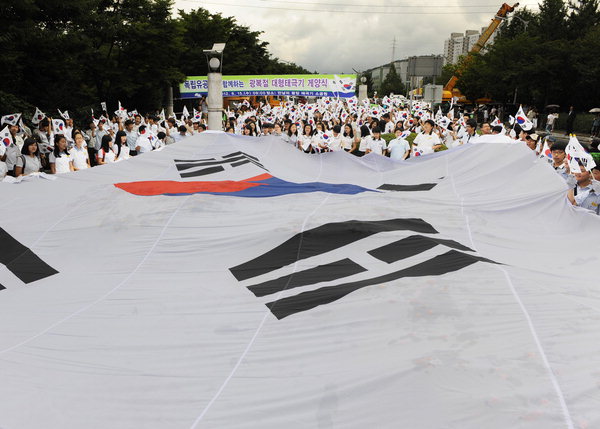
{"x": 335, "y": 36}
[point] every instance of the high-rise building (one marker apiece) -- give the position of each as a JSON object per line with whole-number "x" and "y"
{"x": 460, "y": 44}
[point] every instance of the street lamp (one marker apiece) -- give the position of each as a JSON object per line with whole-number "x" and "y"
{"x": 214, "y": 57}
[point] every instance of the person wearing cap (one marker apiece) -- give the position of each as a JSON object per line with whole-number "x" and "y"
{"x": 531, "y": 140}
{"x": 587, "y": 197}
{"x": 584, "y": 182}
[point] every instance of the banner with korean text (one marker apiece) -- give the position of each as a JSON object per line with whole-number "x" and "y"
{"x": 307, "y": 85}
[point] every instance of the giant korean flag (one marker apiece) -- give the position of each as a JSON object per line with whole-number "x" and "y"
{"x": 234, "y": 282}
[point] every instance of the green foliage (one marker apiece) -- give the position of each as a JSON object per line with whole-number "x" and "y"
{"x": 447, "y": 72}
{"x": 73, "y": 54}
{"x": 388, "y": 137}
{"x": 392, "y": 84}
{"x": 544, "y": 62}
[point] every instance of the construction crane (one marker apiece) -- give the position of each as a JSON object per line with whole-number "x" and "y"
{"x": 449, "y": 90}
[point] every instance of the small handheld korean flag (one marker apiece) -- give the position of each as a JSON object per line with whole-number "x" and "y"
{"x": 58, "y": 126}
{"x": 185, "y": 113}
{"x": 161, "y": 115}
{"x": 546, "y": 152}
{"x": 37, "y": 116}
{"x": 496, "y": 122}
{"x": 121, "y": 112}
{"x": 416, "y": 151}
{"x": 103, "y": 105}
{"x": 64, "y": 115}
{"x": 523, "y": 121}
{"x": 11, "y": 119}
{"x": 444, "y": 122}
{"x": 577, "y": 154}
{"x": 5, "y": 136}
{"x": 198, "y": 115}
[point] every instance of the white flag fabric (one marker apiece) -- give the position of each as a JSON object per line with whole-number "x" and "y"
{"x": 58, "y": 127}
{"x": 64, "y": 115}
{"x": 235, "y": 282}
{"x": 576, "y": 154}
{"x": 198, "y": 115}
{"x": 522, "y": 120}
{"x": 38, "y": 116}
{"x": 103, "y": 106}
{"x": 12, "y": 119}
{"x": 546, "y": 152}
{"x": 121, "y": 112}
{"x": 185, "y": 113}
{"x": 5, "y": 138}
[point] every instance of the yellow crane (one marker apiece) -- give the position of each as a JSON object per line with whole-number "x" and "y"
{"x": 450, "y": 90}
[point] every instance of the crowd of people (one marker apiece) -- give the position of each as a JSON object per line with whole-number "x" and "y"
{"x": 391, "y": 127}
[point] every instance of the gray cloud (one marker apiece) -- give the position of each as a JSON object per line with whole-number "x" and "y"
{"x": 338, "y": 42}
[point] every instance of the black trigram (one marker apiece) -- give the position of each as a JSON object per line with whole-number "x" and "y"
{"x": 202, "y": 167}
{"x": 332, "y": 236}
{"x": 21, "y": 261}
{"x": 408, "y": 188}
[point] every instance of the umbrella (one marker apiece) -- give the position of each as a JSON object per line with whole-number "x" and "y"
{"x": 595, "y": 110}
{"x": 552, "y": 106}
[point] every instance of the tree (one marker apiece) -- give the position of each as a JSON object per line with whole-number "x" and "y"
{"x": 551, "y": 21}
{"x": 73, "y": 54}
{"x": 392, "y": 84}
{"x": 546, "y": 63}
{"x": 585, "y": 15}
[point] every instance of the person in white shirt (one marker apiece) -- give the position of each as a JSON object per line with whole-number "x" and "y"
{"x": 182, "y": 133}
{"x": 291, "y": 135}
{"x": 365, "y": 136}
{"x": 335, "y": 142}
{"x": 100, "y": 133}
{"x": 427, "y": 141}
{"x": 120, "y": 147}
{"x": 106, "y": 155}
{"x": 79, "y": 153}
{"x": 45, "y": 137}
{"x": 376, "y": 144}
{"x": 305, "y": 140}
{"x": 470, "y": 135}
{"x": 69, "y": 132}
{"x": 399, "y": 148}
{"x": 29, "y": 161}
{"x": 152, "y": 126}
{"x": 143, "y": 143}
{"x": 60, "y": 159}
{"x": 159, "y": 141}
{"x": 349, "y": 139}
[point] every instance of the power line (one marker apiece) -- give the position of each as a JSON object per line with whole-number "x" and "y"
{"x": 340, "y": 10}
{"x": 441, "y": 5}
